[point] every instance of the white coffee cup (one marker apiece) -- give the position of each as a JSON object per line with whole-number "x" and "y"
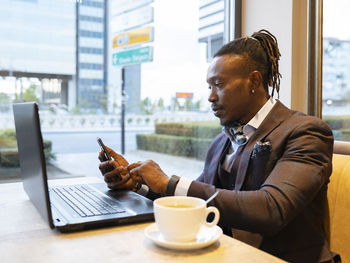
{"x": 179, "y": 218}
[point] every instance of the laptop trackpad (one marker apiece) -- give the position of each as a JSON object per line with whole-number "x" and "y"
{"x": 129, "y": 200}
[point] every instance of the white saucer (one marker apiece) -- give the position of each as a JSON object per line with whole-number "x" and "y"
{"x": 205, "y": 237}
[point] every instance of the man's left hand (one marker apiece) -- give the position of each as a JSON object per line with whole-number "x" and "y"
{"x": 152, "y": 175}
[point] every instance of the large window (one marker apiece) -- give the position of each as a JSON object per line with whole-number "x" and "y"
{"x": 130, "y": 72}
{"x": 336, "y": 68}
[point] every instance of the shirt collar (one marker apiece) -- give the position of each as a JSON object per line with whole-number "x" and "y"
{"x": 255, "y": 122}
{"x": 261, "y": 114}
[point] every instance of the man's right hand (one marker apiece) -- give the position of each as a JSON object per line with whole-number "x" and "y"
{"x": 115, "y": 173}
{"x": 116, "y": 157}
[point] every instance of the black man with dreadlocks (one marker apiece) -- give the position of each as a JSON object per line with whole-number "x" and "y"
{"x": 270, "y": 165}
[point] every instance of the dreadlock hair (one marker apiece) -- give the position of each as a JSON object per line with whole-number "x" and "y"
{"x": 262, "y": 53}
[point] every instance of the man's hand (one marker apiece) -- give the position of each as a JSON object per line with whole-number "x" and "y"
{"x": 151, "y": 175}
{"x": 116, "y": 157}
{"x": 124, "y": 182}
{"x": 115, "y": 173}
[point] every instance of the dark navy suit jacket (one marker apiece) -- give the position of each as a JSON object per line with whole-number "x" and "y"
{"x": 279, "y": 199}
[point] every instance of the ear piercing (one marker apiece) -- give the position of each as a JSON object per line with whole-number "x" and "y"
{"x": 252, "y": 91}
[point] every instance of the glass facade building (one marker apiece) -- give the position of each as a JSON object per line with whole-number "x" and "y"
{"x": 38, "y": 42}
{"x": 91, "y": 54}
{"x": 59, "y": 45}
{"x": 211, "y": 24}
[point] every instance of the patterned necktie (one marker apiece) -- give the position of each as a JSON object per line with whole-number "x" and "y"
{"x": 237, "y": 134}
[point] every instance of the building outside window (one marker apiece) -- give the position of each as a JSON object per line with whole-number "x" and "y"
{"x": 78, "y": 61}
{"x": 91, "y": 56}
{"x": 336, "y": 68}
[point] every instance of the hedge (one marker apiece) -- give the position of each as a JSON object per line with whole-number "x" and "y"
{"x": 8, "y": 138}
{"x": 189, "y": 139}
{"x": 192, "y": 139}
{"x": 345, "y": 135}
{"x": 338, "y": 122}
{"x": 9, "y": 152}
{"x": 206, "y": 130}
{"x": 340, "y": 126}
{"x": 174, "y": 145}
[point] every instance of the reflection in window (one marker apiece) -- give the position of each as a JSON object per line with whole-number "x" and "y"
{"x": 336, "y": 68}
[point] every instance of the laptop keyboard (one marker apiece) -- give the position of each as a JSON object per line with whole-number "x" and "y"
{"x": 88, "y": 202}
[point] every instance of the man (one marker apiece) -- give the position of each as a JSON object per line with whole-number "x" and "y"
{"x": 271, "y": 174}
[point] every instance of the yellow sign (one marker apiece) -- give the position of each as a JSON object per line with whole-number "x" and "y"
{"x": 137, "y": 36}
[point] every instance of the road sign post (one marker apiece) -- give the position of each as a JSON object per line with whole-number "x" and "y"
{"x": 133, "y": 56}
{"x": 123, "y": 113}
{"x": 126, "y": 15}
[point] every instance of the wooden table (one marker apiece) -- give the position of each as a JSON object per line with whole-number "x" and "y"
{"x": 26, "y": 237}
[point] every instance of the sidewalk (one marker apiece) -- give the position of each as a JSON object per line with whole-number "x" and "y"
{"x": 12, "y": 174}
{"x": 86, "y": 164}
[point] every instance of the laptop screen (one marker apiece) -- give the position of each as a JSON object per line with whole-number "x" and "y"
{"x": 31, "y": 157}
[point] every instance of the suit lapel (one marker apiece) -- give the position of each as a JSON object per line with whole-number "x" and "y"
{"x": 277, "y": 114}
{"x": 217, "y": 157}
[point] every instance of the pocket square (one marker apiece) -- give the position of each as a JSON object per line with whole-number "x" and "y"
{"x": 261, "y": 148}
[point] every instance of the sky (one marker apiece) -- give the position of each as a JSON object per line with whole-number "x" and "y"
{"x": 179, "y": 60}
{"x": 178, "y": 57}
{"x": 179, "y": 63}
{"x": 336, "y": 19}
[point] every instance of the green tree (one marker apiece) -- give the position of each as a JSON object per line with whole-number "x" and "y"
{"x": 146, "y": 106}
{"x": 188, "y": 104}
{"x": 30, "y": 93}
{"x": 176, "y": 104}
{"x": 80, "y": 107}
{"x": 198, "y": 105}
{"x": 160, "y": 104}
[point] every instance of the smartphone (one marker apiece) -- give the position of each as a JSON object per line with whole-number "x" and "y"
{"x": 105, "y": 153}
{"x": 103, "y": 148}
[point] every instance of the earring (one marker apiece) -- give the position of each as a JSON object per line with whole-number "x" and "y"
{"x": 252, "y": 91}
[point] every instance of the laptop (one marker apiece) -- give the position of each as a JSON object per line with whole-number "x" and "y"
{"x": 74, "y": 207}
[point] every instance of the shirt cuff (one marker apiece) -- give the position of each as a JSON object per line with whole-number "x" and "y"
{"x": 182, "y": 186}
{"x": 143, "y": 190}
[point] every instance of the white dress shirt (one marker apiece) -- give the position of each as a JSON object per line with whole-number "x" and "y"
{"x": 248, "y": 129}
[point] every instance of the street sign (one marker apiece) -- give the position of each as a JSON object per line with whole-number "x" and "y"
{"x": 137, "y": 36}
{"x": 133, "y": 56}
{"x": 121, "y": 6}
{"x": 135, "y": 18}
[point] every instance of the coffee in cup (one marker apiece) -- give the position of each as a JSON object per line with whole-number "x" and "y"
{"x": 180, "y": 218}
